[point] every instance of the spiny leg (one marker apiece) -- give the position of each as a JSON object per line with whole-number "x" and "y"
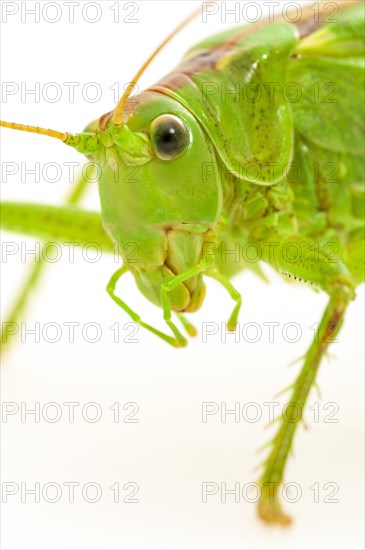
{"x": 134, "y": 316}
{"x": 269, "y": 506}
{"x": 334, "y": 278}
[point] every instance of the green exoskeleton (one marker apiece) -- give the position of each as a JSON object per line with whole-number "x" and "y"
{"x": 256, "y": 137}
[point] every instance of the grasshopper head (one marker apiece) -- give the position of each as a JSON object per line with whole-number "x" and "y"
{"x": 158, "y": 200}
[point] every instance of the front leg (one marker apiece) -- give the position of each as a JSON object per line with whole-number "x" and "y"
{"x": 316, "y": 266}
{"x": 166, "y": 288}
{"x": 133, "y": 315}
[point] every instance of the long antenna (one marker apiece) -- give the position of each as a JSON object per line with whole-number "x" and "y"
{"x": 35, "y": 130}
{"x": 118, "y": 112}
{"x": 86, "y": 143}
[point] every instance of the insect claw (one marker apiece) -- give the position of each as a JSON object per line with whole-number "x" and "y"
{"x": 190, "y": 329}
{"x": 181, "y": 341}
{"x": 231, "y": 327}
{"x": 269, "y": 508}
{"x": 272, "y": 514}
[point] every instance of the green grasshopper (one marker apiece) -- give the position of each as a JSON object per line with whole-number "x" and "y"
{"x": 223, "y": 153}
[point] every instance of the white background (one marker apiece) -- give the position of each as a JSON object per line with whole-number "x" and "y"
{"x": 170, "y": 452}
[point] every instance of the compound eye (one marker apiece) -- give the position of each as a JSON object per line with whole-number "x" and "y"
{"x": 170, "y": 136}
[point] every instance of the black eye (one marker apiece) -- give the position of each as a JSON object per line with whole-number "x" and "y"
{"x": 169, "y": 136}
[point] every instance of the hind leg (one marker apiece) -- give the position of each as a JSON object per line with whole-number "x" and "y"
{"x": 334, "y": 278}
